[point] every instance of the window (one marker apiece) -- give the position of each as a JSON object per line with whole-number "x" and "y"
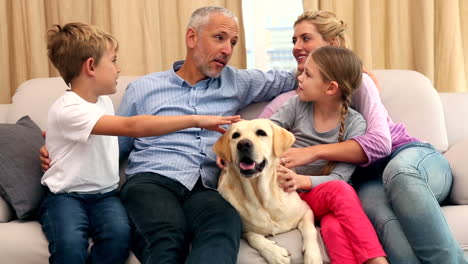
{"x": 268, "y": 32}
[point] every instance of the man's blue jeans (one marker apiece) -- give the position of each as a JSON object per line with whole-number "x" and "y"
{"x": 401, "y": 196}
{"x": 174, "y": 225}
{"x": 69, "y": 219}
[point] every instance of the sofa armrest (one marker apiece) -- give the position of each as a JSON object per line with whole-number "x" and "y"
{"x": 456, "y": 155}
{"x": 6, "y": 214}
{"x": 4, "y": 112}
{"x": 456, "y": 116}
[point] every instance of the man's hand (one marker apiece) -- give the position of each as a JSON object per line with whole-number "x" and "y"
{"x": 289, "y": 181}
{"x": 214, "y": 123}
{"x": 44, "y": 156}
{"x": 294, "y": 157}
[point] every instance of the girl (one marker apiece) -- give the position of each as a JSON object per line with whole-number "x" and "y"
{"x": 320, "y": 114}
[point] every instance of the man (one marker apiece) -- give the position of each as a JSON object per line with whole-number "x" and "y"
{"x": 170, "y": 194}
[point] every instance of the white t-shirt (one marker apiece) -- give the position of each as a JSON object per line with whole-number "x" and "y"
{"x": 81, "y": 162}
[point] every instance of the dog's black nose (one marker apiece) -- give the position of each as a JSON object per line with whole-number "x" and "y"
{"x": 244, "y": 145}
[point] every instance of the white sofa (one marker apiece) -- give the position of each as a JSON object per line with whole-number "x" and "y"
{"x": 439, "y": 118}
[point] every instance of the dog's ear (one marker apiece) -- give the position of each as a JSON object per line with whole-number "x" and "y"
{"x": 222, "y": 149}
{"x": 282, "y": 139}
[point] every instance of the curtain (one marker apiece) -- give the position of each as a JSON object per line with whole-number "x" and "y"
{"x": 428, "y": 36}
{"x": 151, "y": 34}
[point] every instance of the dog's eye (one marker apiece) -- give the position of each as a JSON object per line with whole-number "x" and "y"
{"x": 261, "y": 133}
{"x": 235, "y": 135}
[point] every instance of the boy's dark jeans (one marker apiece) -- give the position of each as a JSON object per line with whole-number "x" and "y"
{"x": 172, "y": 224}
{"x": 68, "y": 219}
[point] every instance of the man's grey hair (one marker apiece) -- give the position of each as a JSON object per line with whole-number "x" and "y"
{"x": 201, "y": 16}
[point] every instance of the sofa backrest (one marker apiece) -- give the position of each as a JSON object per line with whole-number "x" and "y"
{"x": 35, "y": 96}
{"x": 409, "y": 97}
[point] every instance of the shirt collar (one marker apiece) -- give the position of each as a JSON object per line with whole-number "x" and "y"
{"x": 176, "y": 79}
{"x": 173, "y": 77}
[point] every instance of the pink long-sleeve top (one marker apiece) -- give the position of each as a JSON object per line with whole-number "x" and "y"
{"x": 382, "y": 135}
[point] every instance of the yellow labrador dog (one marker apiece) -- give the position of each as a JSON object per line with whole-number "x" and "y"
{"x": 251, "y": 151}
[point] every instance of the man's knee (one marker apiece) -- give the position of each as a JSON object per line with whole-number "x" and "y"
{"x": 233, "y": 219}
{"x": 227, "y": 219}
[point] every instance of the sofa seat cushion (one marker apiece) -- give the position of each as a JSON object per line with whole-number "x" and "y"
{"x": 291, "y": 240}
{"x": 457, "y": 217}
{"x": 25, "y": 243}
{"x": 457, "y": 157}
{"x": 20, "y": 169}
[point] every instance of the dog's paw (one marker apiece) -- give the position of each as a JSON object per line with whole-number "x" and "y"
{"x": 276, "y": 254}
{"x": 314, "y": 258}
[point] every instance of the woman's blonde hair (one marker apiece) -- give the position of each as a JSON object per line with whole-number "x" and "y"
{"x": 345, "y": 68}
{"x": 327, "y": 25}
{"x": 69, "y": 46}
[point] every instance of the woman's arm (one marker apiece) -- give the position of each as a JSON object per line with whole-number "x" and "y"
{"x": 377, "y": 141}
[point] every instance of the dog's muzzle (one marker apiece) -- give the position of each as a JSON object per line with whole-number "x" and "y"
{"x": 247, "y": 166}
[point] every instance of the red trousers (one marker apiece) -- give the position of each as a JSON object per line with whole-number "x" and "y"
{"x": 346, "y": 231}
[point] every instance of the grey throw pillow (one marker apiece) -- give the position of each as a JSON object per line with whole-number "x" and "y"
{"x": 20, "y": 167}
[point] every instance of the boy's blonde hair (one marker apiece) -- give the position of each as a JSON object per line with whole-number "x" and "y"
{"x": 327, "y": 25}
{"x": 344, "y": 67}
{"x": 69, "y": 46}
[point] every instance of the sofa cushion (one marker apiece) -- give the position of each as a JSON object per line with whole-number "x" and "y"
{"x": 456, "y": 156}
{"x": 457, "y": 217}
{"x": 20, "y": 167}
{"x": 291, "y": 240}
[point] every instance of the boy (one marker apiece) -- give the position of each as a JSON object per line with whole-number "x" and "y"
{"x": 84, "y": 177}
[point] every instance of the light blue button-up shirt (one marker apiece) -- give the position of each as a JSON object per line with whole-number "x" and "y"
{"x": 187, "y": 154}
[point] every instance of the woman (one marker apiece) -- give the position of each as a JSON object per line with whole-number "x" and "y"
{"x": 401, "y": 181}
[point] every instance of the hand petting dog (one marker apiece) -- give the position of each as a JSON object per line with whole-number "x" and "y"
{"x": 290, "y": 181}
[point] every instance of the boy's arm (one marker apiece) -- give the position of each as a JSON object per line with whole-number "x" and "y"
{"x": 148, "y": 125}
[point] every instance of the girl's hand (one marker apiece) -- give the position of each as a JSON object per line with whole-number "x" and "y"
{"x": 214, "y": 123}
{"x": 289, "y": 181}
{"x": 294, "y": 157}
